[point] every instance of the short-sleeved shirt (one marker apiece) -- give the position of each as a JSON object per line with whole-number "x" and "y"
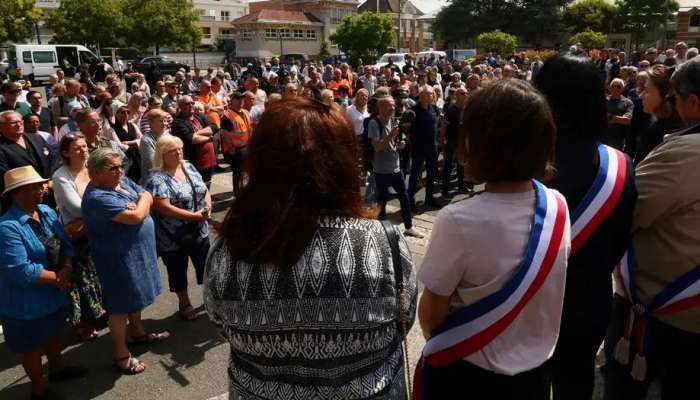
{"x": 357, "y": 118}
{"x": 386, "y": 160}
{"x": 424, "y": 127}
{"x": 164, "y": 186}
{"x": 616, "y": 133}
{"x": 474, "y": 249}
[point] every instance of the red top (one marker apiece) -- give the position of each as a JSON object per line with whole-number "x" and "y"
{"x": 205, "y": 155}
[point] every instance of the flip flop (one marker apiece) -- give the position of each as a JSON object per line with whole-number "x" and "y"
{"x": 149, "y": 338}
{"x": 187, "y": 313}
{"x": 132, "y": 366}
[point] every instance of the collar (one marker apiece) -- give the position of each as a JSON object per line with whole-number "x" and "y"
{"x": 687, "y": 131}
{"x": 16, "y": 213}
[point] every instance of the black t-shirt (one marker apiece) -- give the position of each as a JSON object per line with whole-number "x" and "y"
{"x": 424, "y": 128}
{"x": 588, "y": 295}
{"x": 453, "y": 116}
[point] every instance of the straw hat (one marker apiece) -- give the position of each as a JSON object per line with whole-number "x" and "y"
{"x": 21, "y": 176}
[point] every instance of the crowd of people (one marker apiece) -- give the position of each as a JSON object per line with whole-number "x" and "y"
{"x": 313, "y": 290}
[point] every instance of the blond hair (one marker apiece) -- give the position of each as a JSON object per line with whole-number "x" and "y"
{"x": 165, "y": 144}
{"x": 155, "y": 114}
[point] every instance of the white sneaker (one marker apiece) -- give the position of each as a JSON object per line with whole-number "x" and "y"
{"x": 414, "y": 233}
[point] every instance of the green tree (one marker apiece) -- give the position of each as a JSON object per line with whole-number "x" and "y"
{"x": 323, "y": 51}
{"x": 589, "y": 39}
{"x": 17, "y": 19}
{"x": 497, "y": 41}
{"x": 534, "y": 20}
{"x": 364, "y": 36}
{"x": 641, "y": 16}
{"x": 173, "y": 23}
{"x": 595, "y": 15}
{"x": 92, "y": 22}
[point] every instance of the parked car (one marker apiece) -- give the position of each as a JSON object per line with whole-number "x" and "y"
{"x": 429, "y": 58}
{"x": 4, "y": 65}
{"x": 399, "y": 59}
{"x": 155, "y": 67}
{"x": 39, "y": 61}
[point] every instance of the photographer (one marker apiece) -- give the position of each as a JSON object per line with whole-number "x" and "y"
{"x": 384, "y": 133}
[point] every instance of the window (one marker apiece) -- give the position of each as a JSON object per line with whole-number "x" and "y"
{"x": 246, "y": 34}
{"x": 45, "y": 57}
{"x": 298, "y": 34}
{"x": 337, "y": 15}
{"x": 27, "y": 56}
{"x": 225, "y": 15}
{"x": 694, "y": 24}
{"x": 87, "y": 58}
{"x": 206, "y": 32}
{"x": 285, "y": 34}
{"x": 270, "y": 33}
{"x": 311, "y": 35}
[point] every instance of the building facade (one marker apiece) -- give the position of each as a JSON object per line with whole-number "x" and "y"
{"x": 415, "y": 33}
{"x": 328, "y": 12}
{"x": 215, "y": 18}
{"x": 266, "y": 33}
{"x": 688, "y": 25}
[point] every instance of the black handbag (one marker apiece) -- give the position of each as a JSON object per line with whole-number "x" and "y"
{"x": 55, "y": 254}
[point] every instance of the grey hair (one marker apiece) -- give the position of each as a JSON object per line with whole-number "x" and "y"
{"x": 5, "y": 114}
{"x": 692, "y": 52}
{"x": 99, "y": 158}
{"x": 686, "y": 79}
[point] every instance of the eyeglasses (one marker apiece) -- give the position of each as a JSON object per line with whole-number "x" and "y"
{"x": 116, "y": 168}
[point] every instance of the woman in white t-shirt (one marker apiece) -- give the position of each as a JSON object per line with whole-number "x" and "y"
{"x": 478, "y": 245}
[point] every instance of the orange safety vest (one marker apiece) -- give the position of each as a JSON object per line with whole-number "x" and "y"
{"x": 241, "y": 130}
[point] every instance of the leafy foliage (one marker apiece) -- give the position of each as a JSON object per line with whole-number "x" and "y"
{"x": 17, "y": 19}
{"x": 641, "y": 16}
{"x": 157, "y": 23}
{"x": 533, "y": 20}
{"x": 497, "y": 41}
{"x": 87, "y": 21}
{"x": 364, "y": 36}
{"x": 323, "y": 51}
{"x": 594, "y": 15}
{"x": 589, "y": 39}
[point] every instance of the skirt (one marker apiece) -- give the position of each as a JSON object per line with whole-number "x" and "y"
{"x": 24, "y": 336}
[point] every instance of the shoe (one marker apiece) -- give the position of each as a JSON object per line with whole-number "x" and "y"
{"x": 446, "y": 195}
{"x": 68, "y": 373}
{"x": 413, "y": 233}
{"x": 47, "y": 395}
{"x": 434, "y": 203}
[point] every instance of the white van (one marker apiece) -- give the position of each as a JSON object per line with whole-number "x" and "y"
{"x": 42, "y": 60}
{"x": 429, "y": 58}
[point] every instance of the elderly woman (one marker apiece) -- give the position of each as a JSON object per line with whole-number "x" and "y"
{"x": 122, "y": 246}
{"x": 130, "y": 136}
{"x": 182, "y": 203}
{"x": 158, "y": 127}
{"x": 35, "y": 270}
{"x": 299, "y": 260}
{"x": 70, "y": 181}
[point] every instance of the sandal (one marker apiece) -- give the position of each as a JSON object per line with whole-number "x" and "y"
{"x": 187, "y": 313}
{"x": 149, "y": 338}
{"x": 133, "y": 365}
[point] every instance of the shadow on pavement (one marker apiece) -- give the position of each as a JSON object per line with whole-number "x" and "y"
{"x": 186, "y": 347}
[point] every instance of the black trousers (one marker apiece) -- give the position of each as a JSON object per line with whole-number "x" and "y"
{"x": 395, "y": 180}
{"x": 236, "y": 161}
{"x": 176, "y": 263}
{"x": 464, "y": 380}
{"x": 671, "y": 357}
{"x": 450, "y": 150}
{"x": 420, "y": 156}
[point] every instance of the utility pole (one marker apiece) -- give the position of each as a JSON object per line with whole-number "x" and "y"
{"x": 38, "y": 36}
{"x": 398, "y": 38}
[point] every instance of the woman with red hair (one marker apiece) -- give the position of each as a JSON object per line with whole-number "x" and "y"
{"x": 301, "y": 281}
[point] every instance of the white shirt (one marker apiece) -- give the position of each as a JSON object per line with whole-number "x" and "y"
{"x": 474, "y": 249}
{"x": 260, "y": 98}
{"x": 357, "y": 118}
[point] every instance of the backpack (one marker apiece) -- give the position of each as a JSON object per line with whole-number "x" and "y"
{"x": 367, "y": 147}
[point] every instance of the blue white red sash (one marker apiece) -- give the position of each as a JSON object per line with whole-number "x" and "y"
{"x": 475, "y": 326}
{"x": 601, "y": 198}
{"x": 681, "y": 294}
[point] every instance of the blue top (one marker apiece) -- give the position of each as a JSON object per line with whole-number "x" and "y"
{"x": 424, "y": 127}
{"x": 124, "y": 255}
{"x": 163, "y": 186}
{"x": 22, "y": 259}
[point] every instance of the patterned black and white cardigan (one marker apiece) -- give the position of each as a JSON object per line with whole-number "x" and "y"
{"x": 325, "y": 328}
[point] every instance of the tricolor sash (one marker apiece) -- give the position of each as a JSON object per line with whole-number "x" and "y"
{"x": 681, "y": 294}
{"x": 469, "y": 329}
{"x": 601, "y": 198}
